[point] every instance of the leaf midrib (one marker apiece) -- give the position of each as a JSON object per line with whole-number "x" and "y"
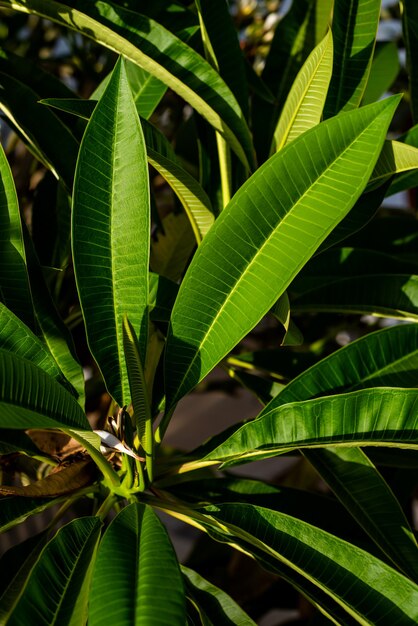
{"x": 260, "y": 250}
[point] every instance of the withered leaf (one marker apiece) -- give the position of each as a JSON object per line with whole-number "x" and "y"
{"x": 59, "y": 482}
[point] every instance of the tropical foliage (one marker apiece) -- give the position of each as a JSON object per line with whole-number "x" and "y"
{"x": 276, "y": 217}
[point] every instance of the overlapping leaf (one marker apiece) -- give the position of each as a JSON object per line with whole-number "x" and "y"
{"x": 364, "y": 589}
{"x": 111, "y": 231}
{"x": 29, "y": 398}
{"x": 136, "y": 578}
{"x": 271, "y": 227}
{"x": 354, "y": 28}
{"x": 14, "y": 283}
{"x": 158, "y": 51}
{"x": 58, "y": 584}
{"x": 390, "y": 295}
{"x": 384, "y": 416}
{"x": 306, "y": 99}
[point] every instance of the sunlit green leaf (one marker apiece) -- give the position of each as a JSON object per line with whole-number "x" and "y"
{"x": 384, "y": 416}
{"x": 262, "y": 239}
{"x": 306, "y": 99}
{"x": 110, "y": 217}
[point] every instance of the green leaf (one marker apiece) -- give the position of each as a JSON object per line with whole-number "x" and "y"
{"x": 337, "y": 263}
{"x": 46, "y": 136}
{"x": 410, "y": 33}
{"x": 139, "y": 392}
{"x": 162, "y": 294}
{"x": 17, "y": 338}
{"x": 172, "y": 248}
{"x": 147, "y": 90}
{"x": 14, "y": 284}
{"x": 396, "y": 157}
{"x": 226, "y": 54}
{"x": 16, "y": 565}
{"x": 162, "y": 157}
{"x": 323, "y": 511}
{"x": 363, "y": 491}
{"x": 262, "y": 239}
{"x": 370, "y": 417}
{"x": 14, "y": 509}
{"x": 57, "y": 587}
{"x": 295, "y": 36}
{"x": 110, "y": 219}
{"x": 29, "y": 398}
{"x": 387, "y": 357}
{"x": 365, "y": 588}
{"x": 354, "y": 28}
{"x": 54, "y": 332}
{"x": 217, "y": 606}
{"x": 155, "y": 49}
{"x": 306, "y": 99}
{"x": 136, "y": 578}
{"x": 391, "y": 295}
{"x": 383, "y": 72}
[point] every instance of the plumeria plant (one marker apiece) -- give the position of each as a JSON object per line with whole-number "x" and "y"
{"x": 276, "y": 216}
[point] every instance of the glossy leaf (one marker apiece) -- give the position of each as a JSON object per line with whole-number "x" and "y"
{"x": 379, "y": 417}
{"x": 391, "y": 295}
{"x": 296, "y": 35}
{"x": 354, "y": 28}
{"x": 383, "y": 72}
{"x": 136, "y": 578}
{"x": 29, "y": 398}
{"x": 306, "y": 99}
{"x": 410, "y": 33}
{"x": 57, "y": 584}
{"x": 44, "y": 133}
{"x": 366, "y": 495}
{"x": 155, "y": 49}
{"x": 216, "y": 605}
{"x": 387, "y": 357}
{"x": 262, "y": 240}
{"x": 14, "y": 284}
{"x": 396, "y": 157}
{"x": 365, "y": 588}
{"x": 17, "y": 338}
{"x": 110, "y": 217}
{"x": 162, "y": 157}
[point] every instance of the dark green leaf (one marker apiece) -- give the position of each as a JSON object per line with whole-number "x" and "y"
{"x": 354, "y": 28}
{"x": 136, "y": 579}
{"x": 216, "y": 605}
{"x": 58, "y": 584}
